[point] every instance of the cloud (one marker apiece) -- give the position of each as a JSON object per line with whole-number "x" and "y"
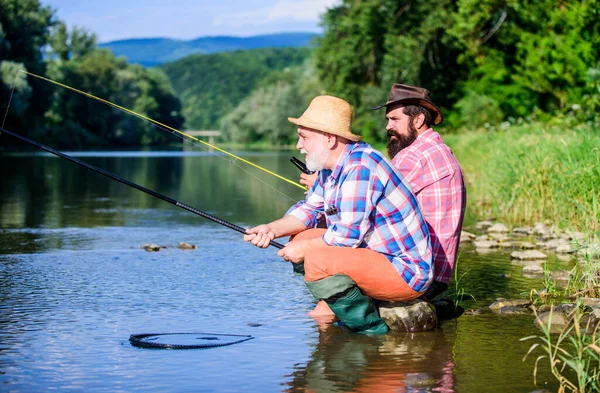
{"x": 297, "y": 11}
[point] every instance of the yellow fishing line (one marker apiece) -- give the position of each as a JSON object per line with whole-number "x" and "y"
{"x": 162, "y": 125}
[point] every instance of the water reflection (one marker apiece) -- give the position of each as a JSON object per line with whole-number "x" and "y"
{"x": 397, "y": 362}
{"x": 74, "y": 284}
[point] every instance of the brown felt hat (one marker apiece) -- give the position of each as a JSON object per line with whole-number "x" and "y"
{"x": 328, "y": 114}
{"x": 411, "y": 95}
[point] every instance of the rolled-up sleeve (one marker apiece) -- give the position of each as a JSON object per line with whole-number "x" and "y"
{"x": 308, "y": 209}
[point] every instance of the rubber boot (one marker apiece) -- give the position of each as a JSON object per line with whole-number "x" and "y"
{"x": 356, "y": 310}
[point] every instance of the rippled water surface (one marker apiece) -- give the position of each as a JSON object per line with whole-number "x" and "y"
{"x": 75, "y": 284}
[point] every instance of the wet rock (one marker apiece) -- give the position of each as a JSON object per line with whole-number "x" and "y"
{"x": 483, "y": 224}
{"x": 526, "y": 246}
{"x": 522, "y": 231}
{"x": 515, "y": 310}
{"x": 498, "y": 228}
{"x": 150, "y": 247}
{"x": 575, "y": 236}
{"x": 560, "y": 278}
{"x": 501, "y": 303}
{"x": 564, "y": 249}
{"x": 474, "y": 311}
{"x": 501, "y": 237}
{"x": 526, "y": 255}
{"x": 539, "y": 228}
{"x": 186, "y": 246}
{"x": 506, "y": 244}
{"x": 553, "y": 244}
{"x": 485, "y": 244}
{"x": 589, "y": 251}
{"x": 592, "y": 302}
{"x": 590, "y": 320}
{"x": 533, "y": 271}
{"x": 558, "y": 321}
{"x": 411, "y": 316}
{"x": 467, "y": 236}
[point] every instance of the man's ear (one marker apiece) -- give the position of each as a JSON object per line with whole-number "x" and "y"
{"x": 419, "y": 121}
{"x": 331, "y": 141}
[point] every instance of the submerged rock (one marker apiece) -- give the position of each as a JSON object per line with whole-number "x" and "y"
{"x": 186, "y": 246}
{"x": 486, "y": 244}
{"x": 560, "y": 278}
{"x": 150, "y": 247}
{"x": 498, "y": 228}
{"x": 530, "y": 254}
{"x": 510, "y": 305}
{"x": 483, "y": 224}
{"x": 411, "y": 316}
{"x": 533, "y": 271}
{"x": 467, "y": 236}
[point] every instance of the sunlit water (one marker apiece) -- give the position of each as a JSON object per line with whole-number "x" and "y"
{"x": 75, "y": 284}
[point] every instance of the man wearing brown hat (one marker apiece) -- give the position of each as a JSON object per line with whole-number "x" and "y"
{"x": 376, "y": 245}
{"x": 432, "y": 171}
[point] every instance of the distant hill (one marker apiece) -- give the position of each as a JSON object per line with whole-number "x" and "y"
{"x": 154, "y": 51}
{"x": 210, "y": 86}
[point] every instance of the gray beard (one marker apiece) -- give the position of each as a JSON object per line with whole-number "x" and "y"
{"x": 402, "y": 141}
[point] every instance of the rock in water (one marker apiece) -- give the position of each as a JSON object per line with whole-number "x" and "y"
{"x": 186, "y": 246}
{"x": 152, "y": 247}
{"x": 410, "y": 316}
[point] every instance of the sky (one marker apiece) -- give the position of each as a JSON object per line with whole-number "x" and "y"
{"x": 187, "y": 19}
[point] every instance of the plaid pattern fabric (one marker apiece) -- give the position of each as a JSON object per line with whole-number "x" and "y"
{"x": 369, "y": 205}
{"x": 436, "y": 178}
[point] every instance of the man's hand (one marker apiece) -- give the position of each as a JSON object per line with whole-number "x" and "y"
{"x": 260, "y": 236}
{"x": 308, "y": 180}
{"x": 294, "y": 251}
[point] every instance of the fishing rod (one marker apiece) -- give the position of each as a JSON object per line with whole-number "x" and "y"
{"x": 161, "y": 125}
{"x": 136, "y": 186}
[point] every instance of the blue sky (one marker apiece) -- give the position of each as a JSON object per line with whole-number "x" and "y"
{"x": 186, "y": 19}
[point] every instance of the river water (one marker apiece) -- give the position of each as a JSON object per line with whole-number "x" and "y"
{"x": 75, "y": 284}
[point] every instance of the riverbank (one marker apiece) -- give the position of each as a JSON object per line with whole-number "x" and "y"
{"x": 533, "y": 172}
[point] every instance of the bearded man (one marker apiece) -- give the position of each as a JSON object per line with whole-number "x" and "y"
{"x": 432, "y": 171}
{"x": 376, "y": 244}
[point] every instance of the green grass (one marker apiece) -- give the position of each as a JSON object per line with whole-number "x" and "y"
{"x": 533, "y": 172}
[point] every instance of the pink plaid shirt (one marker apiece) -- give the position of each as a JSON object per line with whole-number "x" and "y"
{"x": 436, "y": 179}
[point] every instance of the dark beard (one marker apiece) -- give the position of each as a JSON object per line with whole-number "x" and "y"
{"x": 402, "y": 141}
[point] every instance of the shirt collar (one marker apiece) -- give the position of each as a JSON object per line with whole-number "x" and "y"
{"x": 343, "y": 158}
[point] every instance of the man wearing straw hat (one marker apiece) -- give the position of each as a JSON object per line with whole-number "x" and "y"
{"x": 376, "y": 245}
{"x": 432, "y": 171}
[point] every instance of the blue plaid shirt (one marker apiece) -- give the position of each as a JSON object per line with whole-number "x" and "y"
{"x": 368, "y": 204}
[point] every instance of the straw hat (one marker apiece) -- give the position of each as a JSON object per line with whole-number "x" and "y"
{"x": 328, "y": 114}
{"x": 412, "y": 95}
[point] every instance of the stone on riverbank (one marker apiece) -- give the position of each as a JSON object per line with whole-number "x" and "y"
{"x": 411, "y": 316}
{"x": 467, "y": 236}
{"x": 501, "y": 303}
{"x": 485, "y": 244}
{"x": 526, "y": 255}
{"x": 533, "y": 271}
{"x": 497, "y": 228}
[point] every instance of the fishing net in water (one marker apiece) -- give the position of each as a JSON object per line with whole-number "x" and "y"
{"x": 186, "y": 340}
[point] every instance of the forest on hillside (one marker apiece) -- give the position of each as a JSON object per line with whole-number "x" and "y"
{"x": 33, "y": 40}
{"x": 487, "y": 64}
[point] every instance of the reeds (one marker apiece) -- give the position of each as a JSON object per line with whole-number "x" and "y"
{"x": 533, "y": 172}
{"x": 573, "y": 354}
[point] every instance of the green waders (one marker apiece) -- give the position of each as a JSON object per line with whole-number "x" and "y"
{"x": 356, "y": 310}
